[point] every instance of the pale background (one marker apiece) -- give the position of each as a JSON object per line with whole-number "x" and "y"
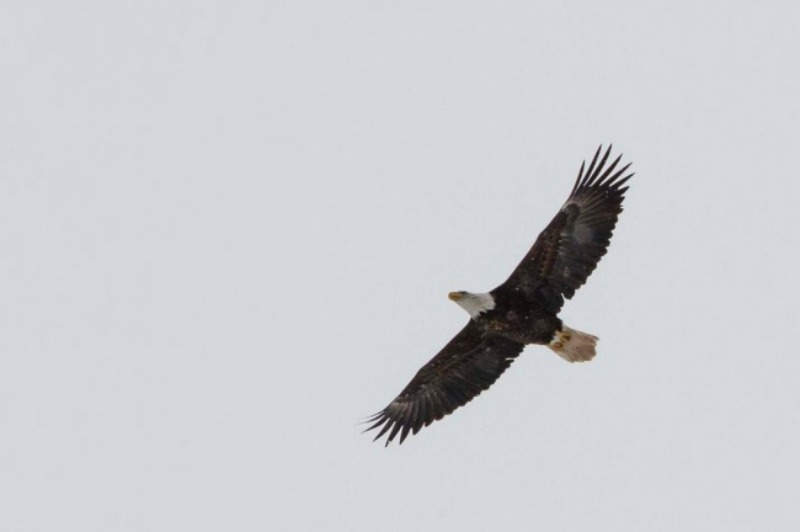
{"x": 228, "y": 230}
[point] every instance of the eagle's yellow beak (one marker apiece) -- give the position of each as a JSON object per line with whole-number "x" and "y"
{"x": 455, "y": 296}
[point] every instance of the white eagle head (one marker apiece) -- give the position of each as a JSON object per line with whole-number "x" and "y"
{"x": 475, "y": 304}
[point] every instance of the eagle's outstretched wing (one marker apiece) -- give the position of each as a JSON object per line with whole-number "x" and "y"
{"x": 568, "y": 250}
{"x": 466, "y": 366}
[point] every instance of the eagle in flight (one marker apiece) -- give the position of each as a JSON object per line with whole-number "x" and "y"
{"x": 523, "y": 310}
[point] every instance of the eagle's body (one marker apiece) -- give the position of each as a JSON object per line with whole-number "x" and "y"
{"x": 521, "y": 311}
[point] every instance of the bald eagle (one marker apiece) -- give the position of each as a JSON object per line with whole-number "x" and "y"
{"x": 523, "y": 310}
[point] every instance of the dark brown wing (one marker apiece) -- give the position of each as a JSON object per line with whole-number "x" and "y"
{"x": 568, "y": 250}
{"x": 466, "y": 366}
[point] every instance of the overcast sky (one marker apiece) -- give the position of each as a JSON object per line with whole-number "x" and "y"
{"x": 228, "y": 230}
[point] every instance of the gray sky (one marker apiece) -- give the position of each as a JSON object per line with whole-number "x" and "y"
{"x": 229, "y": 229}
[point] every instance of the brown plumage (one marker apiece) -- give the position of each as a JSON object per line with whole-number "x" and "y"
{"x": 523, "y": 310}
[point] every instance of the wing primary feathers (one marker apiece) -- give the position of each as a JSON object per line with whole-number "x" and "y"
{"x": 580, "y": 176}
{"x": 619, "y": 173}
{"x": 408, "y": 422}
{"x": 387, "y": 426}
{"x": 591, "y": 166}
{"x": 404, "y": 433}
{"x": 378, "y": 420}
{"x": 397, "y": 426}
{"x": 592, "y": 177}
{"x": 609, "y": 170}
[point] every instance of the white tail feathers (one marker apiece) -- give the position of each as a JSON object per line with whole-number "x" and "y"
{"x": 572, "y": 345}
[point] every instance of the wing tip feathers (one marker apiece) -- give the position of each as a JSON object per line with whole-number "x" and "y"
{"x": 598, "y": 175}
